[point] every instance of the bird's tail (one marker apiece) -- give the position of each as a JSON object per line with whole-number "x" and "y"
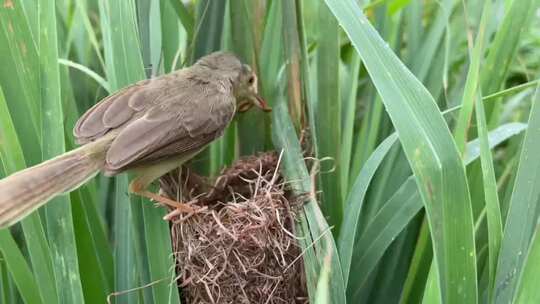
{"x": 25, "y": 191}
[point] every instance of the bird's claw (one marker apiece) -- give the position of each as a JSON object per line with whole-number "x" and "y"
{"x": 178, "y": 211}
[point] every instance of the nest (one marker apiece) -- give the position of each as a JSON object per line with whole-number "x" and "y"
{"x": 240, "y": 247}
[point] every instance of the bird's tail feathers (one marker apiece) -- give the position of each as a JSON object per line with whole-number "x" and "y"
{"x": 27, "y": 190}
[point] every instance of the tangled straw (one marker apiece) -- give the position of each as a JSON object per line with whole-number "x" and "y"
{"x": 242, "y": 247}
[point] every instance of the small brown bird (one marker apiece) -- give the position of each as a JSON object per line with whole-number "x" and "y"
{"x": 149, "y": 128}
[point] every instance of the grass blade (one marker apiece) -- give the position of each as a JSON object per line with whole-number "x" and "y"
{"x": 349, "y": 89}
{"x": 523, "y": 214}
{"x": 528, "y": 289}
{"x": 126, "y": 270}
{"x": 95, "y": 76}
{"x": 386, "y": 225}
{"x": 323, "y": 294}
{"x": 425, "y": 56}
{"x": 321, "y": 239}
{"x": 244, "y": 29}
{"x": 413, "y": 288}
{"x": 503, "y": 50}
{"x": 328, "y": 115}
{"x": 208, "y": 34}
{"x": 172, "y": 37}
{"x": 160, "y": 258}
{"x": 96, "y": 261}
{"x": 293, "y": 53}
{"x": 18, "y": 268}
{"x": 19, "y": 78}
{"x": 471, "y": 84}
{"x": 271, "y": 57}
{"x": 354, "y": 202}
{"x": 494, "y": 220}
{"x": 151, "y": 233}
{"x": 430, "y": 150}
{"x": 38, "y": 248}
{"x": 125, "y": 66}
{"x": 59, "y": 219}
{"x": 184, "y": 15}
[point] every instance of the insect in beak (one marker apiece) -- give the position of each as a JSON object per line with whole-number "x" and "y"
{"x": 261, "y": 103}
{"x": 254, "y": 100}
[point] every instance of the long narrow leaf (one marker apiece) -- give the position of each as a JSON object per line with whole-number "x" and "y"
{"x": 20, "y": 272}
{"x": 58, "y": 212}
{"x": 493, "y": 208}
{"x": 354, "y": 203}
{"x": 125, "y": 66}
{"x": 430, "y": 150}
{"x": 528, "y": 289}
{"x": 503, "y": 50}
{"x": 328, "y": 115}
{"x": 400, "y": 209}
{"x": 322, "y": 241}
{"x": 523, "y": 213}
{"x": 12, "y": 160}
{"x": 471, "y": 83}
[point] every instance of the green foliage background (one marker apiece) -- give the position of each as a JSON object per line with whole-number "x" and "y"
{"x": 425, "y": 116}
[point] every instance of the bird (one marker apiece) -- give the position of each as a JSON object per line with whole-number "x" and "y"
{"x": 148, "y": 128}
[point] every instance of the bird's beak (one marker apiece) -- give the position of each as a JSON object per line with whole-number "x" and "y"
{"x": 256, "y": 100}
{"x": 259, "y": 102}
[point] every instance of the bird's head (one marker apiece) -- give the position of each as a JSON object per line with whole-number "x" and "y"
{"x": 246, "y": 91}
{"x": 242, "y": 77}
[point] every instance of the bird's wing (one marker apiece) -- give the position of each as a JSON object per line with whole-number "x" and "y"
{"x": 115, "y": 111}
{"x": 183, "y": 123}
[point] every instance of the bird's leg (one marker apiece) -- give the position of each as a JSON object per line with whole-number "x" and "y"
{"x": 136, "y": 187}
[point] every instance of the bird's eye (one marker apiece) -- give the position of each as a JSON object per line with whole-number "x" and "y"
{"x": 251, "y": 80}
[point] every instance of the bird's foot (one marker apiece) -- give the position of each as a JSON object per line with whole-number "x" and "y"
{"x": 177, "y": 212}
{"x": 178, "y": 206}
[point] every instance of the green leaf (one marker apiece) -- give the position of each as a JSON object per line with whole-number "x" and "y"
{"x": 394, "y": 215}
{"x": 19, "y": 270}
{"x": 328, "y": 115}
{"x": 184, "y": 15}
{"x": 38, "y": 248}
{"x": 503, "y": 49}
{"x": 160, "y": 258}
{"x": 59, "y": 219}
{"x": 126, "y": 272}
{"x": 493, "y": 210}
{"x": 432, "y": 292}
{"x": 208, "y": 34}
{"x": 348, "y": 111}
{"x": 295, "y": 67}
{"x": 245, "y": 27}
{"x": 104, "y": 84}
{"x": 413, "y": 288}
{"x": 429, "y": 147}
{"x": 323, "y": 293}
{"x": 172, "y": 36}
{"x": 424, "y": 57}
{"x": 319, "y": 241}
{"x": 354, "y": 202}
{"x": 125, "y": 66}
{"x": 528, "y": 291}
{"x": 471, "y": 84}
{"x": 19, "y": 76}
{"x": 523, "y": 214}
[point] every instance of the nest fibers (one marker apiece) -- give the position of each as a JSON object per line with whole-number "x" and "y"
{"x": 239, "y": 248}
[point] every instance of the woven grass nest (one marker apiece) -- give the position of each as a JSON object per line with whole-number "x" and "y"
{"x": 240, "y": 247}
